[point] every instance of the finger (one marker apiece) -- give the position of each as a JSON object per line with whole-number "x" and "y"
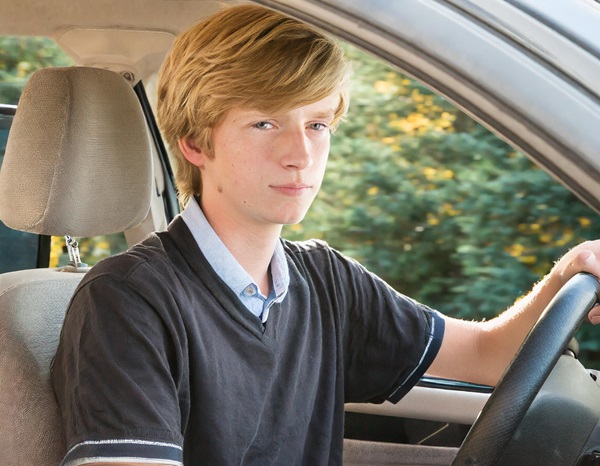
{"x": 583, "y": 260}
{"x": 594, "y": 315}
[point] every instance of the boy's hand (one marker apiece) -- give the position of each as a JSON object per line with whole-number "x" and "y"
{"x": 582, "y": 258}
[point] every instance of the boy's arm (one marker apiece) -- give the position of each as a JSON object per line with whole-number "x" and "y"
{"x": 480, "y": 351}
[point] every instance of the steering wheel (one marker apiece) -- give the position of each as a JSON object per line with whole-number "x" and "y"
{"x": 494, "y": 428}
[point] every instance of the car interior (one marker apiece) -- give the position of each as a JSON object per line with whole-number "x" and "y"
{"x": 84, "y": 158}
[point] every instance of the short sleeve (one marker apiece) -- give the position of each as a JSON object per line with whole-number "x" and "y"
{"x": 390, "y": 340}
{"x": 117, "y": 375}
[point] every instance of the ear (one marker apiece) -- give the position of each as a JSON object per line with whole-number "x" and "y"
{"x": 192, "y": 152}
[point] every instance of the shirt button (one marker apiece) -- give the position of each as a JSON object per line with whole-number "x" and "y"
{"x": 249, "y": 291}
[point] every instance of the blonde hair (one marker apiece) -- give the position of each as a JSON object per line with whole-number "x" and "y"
{"x": 243, "y": 56}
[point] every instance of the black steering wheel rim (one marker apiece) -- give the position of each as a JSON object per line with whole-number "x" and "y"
{"x": 494, "y": 428}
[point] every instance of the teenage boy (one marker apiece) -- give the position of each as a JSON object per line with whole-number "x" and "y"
{"x": 217, "y": 342}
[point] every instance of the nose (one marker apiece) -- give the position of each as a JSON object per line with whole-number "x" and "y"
{"x": 297, "y": 154}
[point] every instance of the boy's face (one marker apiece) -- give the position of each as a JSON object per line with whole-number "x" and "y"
{"x": 267, "y": 168}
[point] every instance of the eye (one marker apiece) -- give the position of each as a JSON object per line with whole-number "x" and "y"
{"x": 318, "y": 126}
{"x": 263, "y": 125}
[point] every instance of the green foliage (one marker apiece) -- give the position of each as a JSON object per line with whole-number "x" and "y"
{"x": 436, "y": 205}
{"x": 20, "y": 57}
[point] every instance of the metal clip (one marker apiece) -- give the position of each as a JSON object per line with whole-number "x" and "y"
{"x": 73, "y": 250}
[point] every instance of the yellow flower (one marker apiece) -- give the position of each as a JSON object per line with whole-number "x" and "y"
{"x": 385, "y": 87}
{"x": 584, "y": 222}
{"x": 515, "y": 250}
{"x": 56, "y": 250}
{"x": 528, "y": 259}
{"x": 432, "y": 219}
{"x": 430, "y": 173}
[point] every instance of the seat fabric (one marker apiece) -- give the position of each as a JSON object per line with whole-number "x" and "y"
{"x": 368, "y": 453}
{"x": 32, "y": 308}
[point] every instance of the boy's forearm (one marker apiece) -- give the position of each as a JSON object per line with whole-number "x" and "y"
{"x": 480, "y": 351}
{"x": 500, "y": 338}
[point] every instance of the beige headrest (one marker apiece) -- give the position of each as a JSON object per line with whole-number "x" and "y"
{"x": 78, "y": 159}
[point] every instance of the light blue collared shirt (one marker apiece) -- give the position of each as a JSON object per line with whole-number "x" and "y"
{"x": 231, "y": 272}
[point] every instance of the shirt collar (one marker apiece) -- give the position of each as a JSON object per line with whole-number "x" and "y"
{"x": 223, "y": 262}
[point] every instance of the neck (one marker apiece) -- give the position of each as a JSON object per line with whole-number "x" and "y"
{"x": 252, "y": 247}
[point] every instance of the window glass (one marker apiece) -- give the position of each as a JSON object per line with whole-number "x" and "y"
{"x": 91, "y": 250}
{"x": 438, "y": 206}
{"x": 19, "y": 58}
{"x": 18, "y": 250}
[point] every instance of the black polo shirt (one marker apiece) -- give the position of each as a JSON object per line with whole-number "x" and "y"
{"x": 159, "y": 360}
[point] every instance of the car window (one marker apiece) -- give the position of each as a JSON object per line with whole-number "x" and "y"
{"x": 19, "y": 58}
{"x": 18, "y": 250}
{"x": 438, "y": 206}
{"x": 91, "y": 250}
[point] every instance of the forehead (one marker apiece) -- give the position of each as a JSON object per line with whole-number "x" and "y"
{"x": 324, "y": 107}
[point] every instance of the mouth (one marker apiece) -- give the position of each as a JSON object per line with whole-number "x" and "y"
{"x": 292, "y": 189}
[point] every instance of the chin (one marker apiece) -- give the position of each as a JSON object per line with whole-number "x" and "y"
{"x": 289, "y": 216}
{"x": 291, "y": 219}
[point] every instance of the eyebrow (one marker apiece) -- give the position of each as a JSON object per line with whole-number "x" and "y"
{"x": 327, "y": 114}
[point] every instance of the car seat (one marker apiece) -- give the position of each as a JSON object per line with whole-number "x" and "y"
{"x": 78, "y": 163}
